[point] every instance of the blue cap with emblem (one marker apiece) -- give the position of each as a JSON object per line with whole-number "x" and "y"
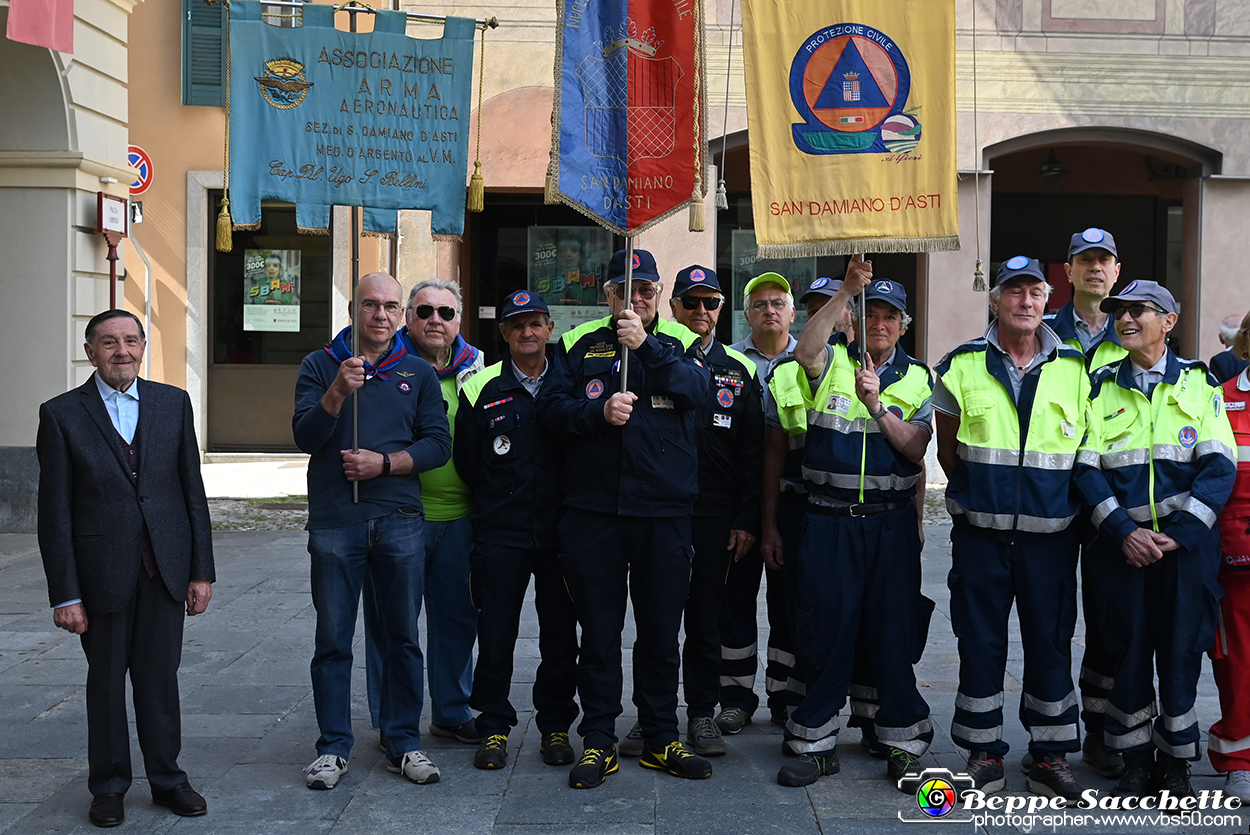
{"x": 1092, "y": 238}
{"x": 523, "y": 301}
{"x": 644, "y": 266}
{"x": 890, "y": 292}
{"x": 695, "y": 276}
{"x": 821, "y": 287}
{"x": 1140, "y": 292}
{"x": 1020, "y": 266}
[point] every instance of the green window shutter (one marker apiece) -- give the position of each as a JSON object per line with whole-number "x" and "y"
{"x": 203, "y": 53}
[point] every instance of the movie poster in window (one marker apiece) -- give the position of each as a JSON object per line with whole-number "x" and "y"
{"x": 271, "y": 289}
{"x": 567, "y": 264}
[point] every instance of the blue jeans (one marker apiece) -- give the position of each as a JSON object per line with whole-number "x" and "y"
{"x": 390, "y": 550}
{"x": 450, "y": 621}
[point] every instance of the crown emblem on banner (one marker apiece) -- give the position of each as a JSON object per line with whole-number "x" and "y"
{"x": 851, "y": 76}
{"x": 626, "y": 34}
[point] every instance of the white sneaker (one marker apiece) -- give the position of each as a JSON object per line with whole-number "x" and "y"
{"x": 1238, "y": 785}
{"x": 416, "y": 766}
{"x": 325, "y": 771}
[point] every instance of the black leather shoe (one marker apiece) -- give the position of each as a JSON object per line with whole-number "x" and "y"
{"x": 107, "y": 809}
{"x": 182, "y": 800}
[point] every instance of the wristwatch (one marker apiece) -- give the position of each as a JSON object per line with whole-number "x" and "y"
{"x": 880, "y": 414}
{"x": 386, "y": 464}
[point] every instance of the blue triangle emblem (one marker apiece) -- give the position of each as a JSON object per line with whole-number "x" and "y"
{"x": 850, "y": 84}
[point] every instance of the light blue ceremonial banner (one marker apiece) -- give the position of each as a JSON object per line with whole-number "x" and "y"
{"x": 320, "y": 117}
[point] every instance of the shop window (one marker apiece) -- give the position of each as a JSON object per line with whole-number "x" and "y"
{"x": 270, "y": 295}
{"x": 519, "y": 243}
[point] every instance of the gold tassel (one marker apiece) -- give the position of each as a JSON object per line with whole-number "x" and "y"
{"x": 225, "y": 226}
{"x": 477, "y": 189}
{"x": 476, "y": 200}
{"x": 978, "y": 279}
{"x": 696, "y": 206}
{"x": 549, "y": 188}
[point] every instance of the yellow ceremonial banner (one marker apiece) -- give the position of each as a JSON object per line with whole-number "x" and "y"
{"x": 851, "y": 114}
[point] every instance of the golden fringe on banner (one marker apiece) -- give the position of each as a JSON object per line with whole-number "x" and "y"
{"x": 855, "y": 246}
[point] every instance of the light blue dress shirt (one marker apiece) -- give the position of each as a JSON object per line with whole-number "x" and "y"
{"x": 122, "y": 406}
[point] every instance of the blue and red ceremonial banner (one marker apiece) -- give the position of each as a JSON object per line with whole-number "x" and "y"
{"x": 628, "y": 128}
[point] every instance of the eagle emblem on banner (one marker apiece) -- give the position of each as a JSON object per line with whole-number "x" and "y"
{"x": 283, "y": 85}
{"x": 628, "y": 60}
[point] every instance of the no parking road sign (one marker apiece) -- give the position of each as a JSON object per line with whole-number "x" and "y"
{"x": 138, "y": 158}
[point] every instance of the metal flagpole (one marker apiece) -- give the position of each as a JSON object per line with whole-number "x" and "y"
{"x": 629, "y": 296}
{"x": 351, "y": 13}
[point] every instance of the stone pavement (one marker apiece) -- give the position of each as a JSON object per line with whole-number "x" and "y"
{"x": 249, "y": 729}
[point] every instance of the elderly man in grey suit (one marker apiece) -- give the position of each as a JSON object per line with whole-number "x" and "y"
{"x": 127, "y": 545}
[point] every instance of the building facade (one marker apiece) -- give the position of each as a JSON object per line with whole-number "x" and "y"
{"x": 1122, "y": 114}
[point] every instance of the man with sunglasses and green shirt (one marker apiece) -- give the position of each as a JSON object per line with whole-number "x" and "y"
{"x": 725, "y": 524}
{"x": 432, "y": 331}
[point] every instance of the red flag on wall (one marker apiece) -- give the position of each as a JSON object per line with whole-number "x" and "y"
{"x": 47, "y": 23}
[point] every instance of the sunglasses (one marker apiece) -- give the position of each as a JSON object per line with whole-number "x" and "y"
{"x": 708, "y": 302}
{"x": 1136, "y": 311}
{"x": 425, "y": 311}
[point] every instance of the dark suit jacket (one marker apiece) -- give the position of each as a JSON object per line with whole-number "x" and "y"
{"x": 1226, "y": 365}
{"x": 92, "y": 512}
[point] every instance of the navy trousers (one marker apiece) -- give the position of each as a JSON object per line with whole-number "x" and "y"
{"x": 605, "y": 557}
{"x": 1038, "y": 571}
{"x": 858, "y": 579}
{"x": 498, "y": 578}
{"x": 1159, "y": 617}
{"x": 701, "y": 650}
{"x": 738, "y": 628}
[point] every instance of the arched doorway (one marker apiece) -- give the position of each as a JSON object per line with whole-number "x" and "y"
{"x": 1142, "y": 187}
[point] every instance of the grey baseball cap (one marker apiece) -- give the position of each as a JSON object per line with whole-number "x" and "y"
{"x": 1092, "y": 238}
{"x": 1141, "y": 291}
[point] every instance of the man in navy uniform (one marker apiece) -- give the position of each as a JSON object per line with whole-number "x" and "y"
{"x": 630, "y": 479}
{"x": 513, "y": 468}
{"x": 725, "y": 525}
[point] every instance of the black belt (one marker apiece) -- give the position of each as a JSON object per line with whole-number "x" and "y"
{"x": 854, "y": 510}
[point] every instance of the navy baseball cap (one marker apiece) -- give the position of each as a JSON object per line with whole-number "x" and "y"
{"x": 695, "y": 276}
{"x": 1092, "y": 238}
{"x": 821, "y": 287}
{"x": 1141, "y": 291}
{"x": 644, "y": 266}
{"x": 523, "y": 301}
{"x": 890, "y": 292}
{"x": 1020, "y": 266}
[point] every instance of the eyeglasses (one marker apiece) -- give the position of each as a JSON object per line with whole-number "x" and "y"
{"x": 1137, "y": 311}
{"x": 763, "y": 304}
{"x": 708, "y": 302}
{"x": 643, "y": 290}
{"x": 446, "y": 312}
{"x": 371, "y": 307}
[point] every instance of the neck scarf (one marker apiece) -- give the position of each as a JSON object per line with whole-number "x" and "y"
{"x": 462, "y": 355}
{"x": 341, "y": 348}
